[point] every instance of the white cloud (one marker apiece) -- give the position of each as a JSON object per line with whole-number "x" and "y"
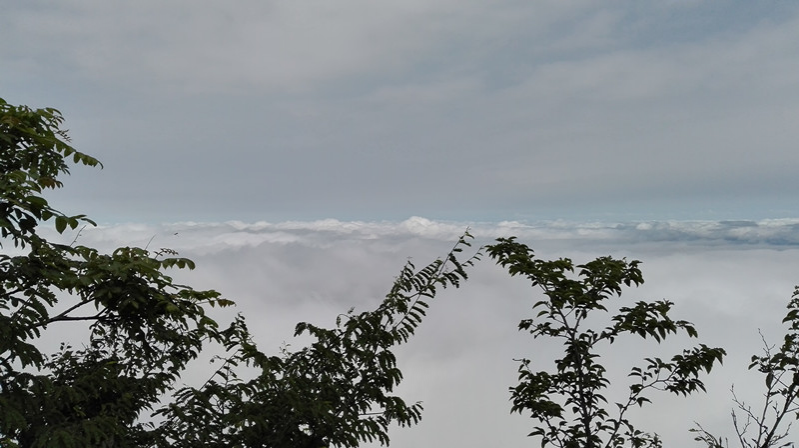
{"x": 729, "y": 278}
{"x": 208, "y": 238}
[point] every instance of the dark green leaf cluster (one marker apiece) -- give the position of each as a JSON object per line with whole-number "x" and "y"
{"x": 33, "y": 150}
{"x": 144, "y": 329}
{"x": 569, "y": 402}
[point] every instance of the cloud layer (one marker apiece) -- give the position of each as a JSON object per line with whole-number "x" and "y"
{"x": 729, "y": 278}
{"x": 210, "y": 237}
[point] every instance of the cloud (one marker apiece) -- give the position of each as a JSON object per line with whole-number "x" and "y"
{"x": 255, "y": 45}
{"x": 728, "y": 278}
{"x": 208, "y": 238}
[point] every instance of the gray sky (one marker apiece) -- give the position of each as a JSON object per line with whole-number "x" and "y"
{"x": 385, "y": 110}
{"x": 288, "y": 138}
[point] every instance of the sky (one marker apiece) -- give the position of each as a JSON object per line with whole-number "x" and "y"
{"x": 302, "y": 151}
{"x": 453, "y": 110}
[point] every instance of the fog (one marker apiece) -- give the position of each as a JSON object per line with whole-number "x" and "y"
{"x": 460, "y": 363}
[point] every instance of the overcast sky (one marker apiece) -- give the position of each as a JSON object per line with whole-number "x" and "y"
{"x": 449, "y": 109}
{"x": 303, "y": 150}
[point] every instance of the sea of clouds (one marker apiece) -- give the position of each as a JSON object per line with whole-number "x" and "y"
{"x": 730, "y": 278}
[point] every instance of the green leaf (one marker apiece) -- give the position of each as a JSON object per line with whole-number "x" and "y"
{"x": 60, "y": 224}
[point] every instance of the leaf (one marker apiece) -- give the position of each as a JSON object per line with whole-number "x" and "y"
{"x": 60, "y": 224}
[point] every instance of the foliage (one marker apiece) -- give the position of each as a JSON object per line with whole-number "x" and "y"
{"x": 569, "y": 401}
{"x": 144, "y": 330}
{"x": 770, "y": 423}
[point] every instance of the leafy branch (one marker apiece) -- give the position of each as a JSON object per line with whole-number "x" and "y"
{"x": 569, "y": 402}
{"x": 781, "y": 397}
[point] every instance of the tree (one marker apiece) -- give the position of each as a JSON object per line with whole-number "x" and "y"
{"x": 569, "y": 401}
{"x": 145, "y": 330}
{"x": 769, "y": 425}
